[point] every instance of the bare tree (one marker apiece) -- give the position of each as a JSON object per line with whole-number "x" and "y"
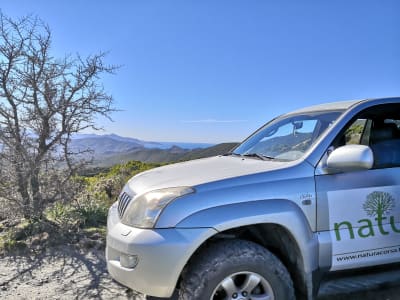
{"x": 378, "y": 203}
{"x": 43, "y": 102}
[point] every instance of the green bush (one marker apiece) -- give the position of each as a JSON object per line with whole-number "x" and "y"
{"x": 84, "y": 212}
{"x": 62, "y": 214}
{"x": 92, "y": 213}
{"x": 9, "y": 243}
{"x": 98, "y": 192}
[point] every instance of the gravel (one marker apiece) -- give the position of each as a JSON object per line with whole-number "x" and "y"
{"x": 75, "y": 272}
{"x": 63, "y": 272}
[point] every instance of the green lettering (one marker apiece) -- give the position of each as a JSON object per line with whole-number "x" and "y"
{"x": 349, "y": 228}
{"x": 379, "y": 218}
{"x": 392, "y": 223}
{"x": 369, "y": 229}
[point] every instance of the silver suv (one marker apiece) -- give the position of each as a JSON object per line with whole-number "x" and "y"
{"x": 309, "y": 202}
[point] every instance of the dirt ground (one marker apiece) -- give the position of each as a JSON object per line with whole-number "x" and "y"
{"x": 71, "y": 272}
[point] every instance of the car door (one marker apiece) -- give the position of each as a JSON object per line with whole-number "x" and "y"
{"x": 358, "y": 212}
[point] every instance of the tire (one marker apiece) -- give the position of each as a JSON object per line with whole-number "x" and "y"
{"x": 235, "y": 270}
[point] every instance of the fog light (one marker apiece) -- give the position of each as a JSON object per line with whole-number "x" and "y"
{"x": 129, "y": 261}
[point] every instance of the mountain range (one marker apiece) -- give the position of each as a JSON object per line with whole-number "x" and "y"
{"x": 112, "y": 149}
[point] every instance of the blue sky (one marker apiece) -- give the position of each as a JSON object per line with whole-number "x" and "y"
{"x": 214, "y": 71}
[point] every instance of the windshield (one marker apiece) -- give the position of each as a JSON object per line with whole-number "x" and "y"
{"x": 287, "y": 138}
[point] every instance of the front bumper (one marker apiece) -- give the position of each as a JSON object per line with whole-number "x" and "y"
{"x": 161, "y": 253}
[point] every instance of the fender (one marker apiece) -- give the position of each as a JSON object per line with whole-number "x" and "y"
{"x": 276, "y": 211}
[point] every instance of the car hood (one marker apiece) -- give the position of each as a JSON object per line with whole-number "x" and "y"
{"x": 201, "y": 171}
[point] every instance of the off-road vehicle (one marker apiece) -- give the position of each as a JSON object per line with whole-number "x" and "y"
{"x": 309, "y": 202}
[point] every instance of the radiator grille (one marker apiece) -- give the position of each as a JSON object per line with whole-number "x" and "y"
{"x": 123, "y": 202}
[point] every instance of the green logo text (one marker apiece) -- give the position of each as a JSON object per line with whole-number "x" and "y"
{"x": 377, "y": 206}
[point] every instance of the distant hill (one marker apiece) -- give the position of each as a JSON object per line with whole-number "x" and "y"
{"x": 143, "y": 155}
{"x": 173, "y": 154}
{"x": 104, "y": 145}
{"x": 112, "y": 143}
{"x": 210, "y": 151}
{"x": 112, "y": 149}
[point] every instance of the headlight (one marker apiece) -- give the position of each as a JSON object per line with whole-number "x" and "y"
{"x": 144, "y": 210}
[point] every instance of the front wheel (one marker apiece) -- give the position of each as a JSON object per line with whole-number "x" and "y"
{"x": 235, "y": 270}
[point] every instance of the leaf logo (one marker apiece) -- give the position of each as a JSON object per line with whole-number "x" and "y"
{"x": 378, "y": 204}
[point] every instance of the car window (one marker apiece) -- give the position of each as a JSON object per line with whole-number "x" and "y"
{"x": 294, "y": 136}
{"x": 378, "y": 128}
{"x": 289, "y": 137}
{"x": 354, "y": 133}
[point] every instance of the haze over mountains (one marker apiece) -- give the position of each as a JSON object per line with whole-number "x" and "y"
{"x": 112, "y": 149}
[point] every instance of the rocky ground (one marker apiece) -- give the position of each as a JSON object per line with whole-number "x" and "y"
{"x": 64, "y": 272}
{"x": 75, "y": 271}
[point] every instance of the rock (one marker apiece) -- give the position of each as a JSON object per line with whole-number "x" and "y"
{"x": 39, "y": 238}
{"x": 93, "y": 294}
{"x": 87, "y": 243}
{"x": 37, "y": 283}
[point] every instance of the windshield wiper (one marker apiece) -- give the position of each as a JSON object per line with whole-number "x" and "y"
{"x": 231, "y": 153}
{"x": 259, "y": 156}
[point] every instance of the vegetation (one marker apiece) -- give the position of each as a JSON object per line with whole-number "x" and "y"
{"x": 43, "y": 101}
{"x": 74, "y": 220}
{"x": 82, "y": 216}
{"x": 354, "y": 132}
{"x": 45, "y": 196}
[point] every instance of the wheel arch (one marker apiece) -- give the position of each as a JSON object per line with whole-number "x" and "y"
{"x": 277, "y": 225}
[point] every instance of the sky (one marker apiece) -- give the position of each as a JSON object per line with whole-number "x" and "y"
{"x": 214, "y": 71}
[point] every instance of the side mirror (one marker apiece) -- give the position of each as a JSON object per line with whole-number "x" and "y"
{"x": 350, "y": 158}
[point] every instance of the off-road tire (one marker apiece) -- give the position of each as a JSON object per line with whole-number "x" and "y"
{"x": 219, "y": 260}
